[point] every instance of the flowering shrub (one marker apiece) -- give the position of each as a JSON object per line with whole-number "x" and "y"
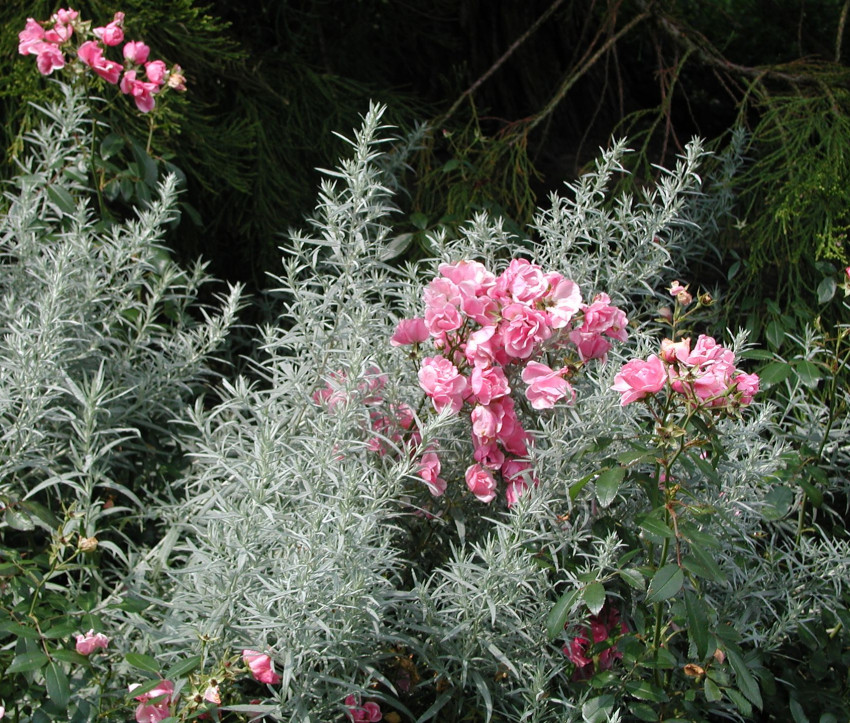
{"x": 491, "y": 331}
{"x": 66, "y": 32}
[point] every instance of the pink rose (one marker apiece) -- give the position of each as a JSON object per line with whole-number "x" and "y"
{"x": 155, "y": 71}
{"x": 708, "y": 350}
{"x": 517, "y": 473}
{"x": 565, "y": 300}
{"x": 523, "y": 329}
{"x": 638, "y": 378}
{"x": 488, "y": 454}
{"x": 260, "y": 666}
{"x": 91, "y": 641}
{"x": 600, "y": 317}
{"x": 369, "y": 712}
{"x": 429, "y": 471}
{"x": 488, "y": 383}
{"x": 92, "y": 55}
{"x": 487, "y": 421}
{"x": 545, "y": 386}
{"x": 65, "y": 16}
{"x": 590, "y": 345}
{"x": 441, "y": 381}
{"x": 512, "y": 435}
{"x": 31, "y": 36}
{"x": 212, "y": 695}
{"x": 410, "y": 331}
{"x": 136, "y": 52}
{"x": 675, "y": 351}
{"x": 747, "y": 385}
{"x": 141, "y": 91}
{"x": 155, "y": 703}
{"x": 49, "y": 58}
{"x": 112, "y": 34}
{"x": 712, "y": 381}
{"x": 522, "y": 282}
{"x": 484, "y": 347}
{"x": 481, "y": 483}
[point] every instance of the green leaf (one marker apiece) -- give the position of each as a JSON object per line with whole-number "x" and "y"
{"x": 18, "y": 520}
{"x": 655, "y": 528}
{"x": 665, "y": 583}
{"x": 713, "y": 694}
{"x": 826, "y": 289}
{"x": 594, "y": 597}
{"x": 58, "y": 688}
{"x": 813, "y": 493}
{"x": 779, "y": 501}
{"x": 632, "y": 578}
{"x": 598, "y": 710}
{"x": 642, "y": 711}
{"x": 23, "y": 663}
{"x": 809, "y": 373}
{"x": 797, "y": 712}
{"x": 427, "y": 715}
{"x": 577, "y": 487}
{"x": 747, "y": 683}
{"x": 740, "y": 702}
{"x": 62, "y": 198}
{"x": 69, "y": 656}
{"x": 110, "y": 145}
{"x": 697, "y": 623}
{"x": 702, "y": 564}
{"x": 142, "y": 662}
{"x": 607, "y": 485}
{"x": 133, "y": 605}
{"x": 774, "y": 373}
{"x": 178, "y": 670}
{"x": 61, "y": 629}
{"x": 775, "y": 333}
{"x": 642, "y": 690}
{"x": 420, "y": 220}
{"x": 557, "y": 617}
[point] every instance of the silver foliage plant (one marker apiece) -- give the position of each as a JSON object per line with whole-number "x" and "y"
{"x": 103, "y": 340}
{"x": 292, "y": 536}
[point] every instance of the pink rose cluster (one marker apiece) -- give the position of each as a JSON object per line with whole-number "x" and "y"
{"x": 261, "y": 667}
{"x": 47, "y": 40}
{"x": 491, "y": 331}
{"x": 600, "y": 628}
{"x": 705, "y": 375}
{"x": 155, "y": 704}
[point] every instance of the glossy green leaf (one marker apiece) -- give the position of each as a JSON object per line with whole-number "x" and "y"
{"x": 774, "y": 373}
{"x": 643, "y": 690}
{"x": 58, "y": 688}
{"x": 594, "y": 597}
{"x": 697, "y": 623}
{"x": 31, "y": 660}
{"x": 632, "y": 578}
{"x": 775, "y": 333}
{"x": 747, "y": 683}
{"x": 607, "y": 485}
{"x": 142, "y": 662}
{"x": 665, "y": 583}
{"x": 557, "y": 617}
{"x": 655, "y": 528}
{"x": 826, "y": 289}
{"x": 713, "y": 694}
{"x": 62, "y": 198}
{"x": 184, "y": 667}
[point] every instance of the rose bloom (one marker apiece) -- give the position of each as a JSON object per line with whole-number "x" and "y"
{"x": 747, "y": 386}
{"x": 545, "y": 386}
{"x": 481, "y": 483}
{"x": 260, "y": 666}
{"x": 489, "y": 383}
{"x": 638, "y": 378}
{"x": 91, "y": 641}
{"x": 523, "y": 282}
{"x": 410, "y": 331}
{"x": 523, "y": 328}
{"x": 429, "y": 471}
{"x": 154, "y": 706}
{"x": 441, "y": 381}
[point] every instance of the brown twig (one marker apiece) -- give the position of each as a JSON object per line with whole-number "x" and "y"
{"x": 493, "y": 68}
{"x": 840, "y": 34}
{"x": 573, "y": 78}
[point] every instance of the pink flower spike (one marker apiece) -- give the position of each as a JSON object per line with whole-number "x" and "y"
{"x": 260, "y": 666}
{"x": 112, "y": 34}
{"x": 136, "y": 52}
{"x": 91, "y": 641}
